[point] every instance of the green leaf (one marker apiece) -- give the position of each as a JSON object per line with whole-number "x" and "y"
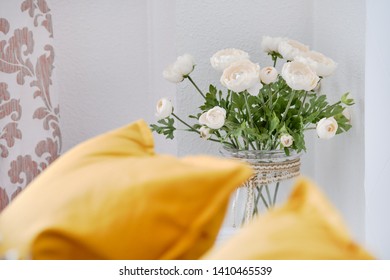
{"x": 212, "y": 89}
{"x": 283, "y": 129}
{"x": 273, "y": 123}
{"x": 347, "y": 101}
{"x": 299, "y": 141}
{"x": 343, "y": 123}
{"x": 166, "y": 127}
{"x": 238, "y": 100}
{"x": 195, "y": 117}
{"x": 211, "y": 99}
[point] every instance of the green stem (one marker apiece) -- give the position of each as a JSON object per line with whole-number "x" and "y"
{"x": 303, "y": 103}
{"x": 288, "y": 106}
{"x": 248, "y": 109}
{"x": 219, "y": 141}
{"x": 268, "y": 195}
{"x": 260, "y": 195}
{"x": 186, "y": 124}
{"x": 238, "y": 143}
{"x": 264, "y": 201}
{"x": 276, "y": 192}
{"x": 262, "y": 99}
{"x": 274, "y": 58}
{"x": 256, "y": 201}
{"x": 233, "y": 142}
{"x": 250, "y": 119}
{"x": 246, "y": 142}
{"x": 270, "y": 98}
{"x": 224, "y": 142}
{"x": 197, "y": 88}
{"x": 194, "y": 130}
{"x": 273, "y": 145}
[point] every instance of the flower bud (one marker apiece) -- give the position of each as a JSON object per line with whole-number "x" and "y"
{"x": 327, "y": 128}
{"x": 268, "y": 75}
{"x": 164, "y": 108}
{"x": 286, "y": 140}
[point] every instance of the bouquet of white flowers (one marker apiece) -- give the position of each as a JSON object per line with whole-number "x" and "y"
{"x": 262, "y": 108}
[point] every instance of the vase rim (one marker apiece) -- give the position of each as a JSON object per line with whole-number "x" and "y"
{"x": 259, "y": 154}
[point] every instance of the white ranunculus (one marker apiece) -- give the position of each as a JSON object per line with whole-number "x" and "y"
{"x": 213, "y": 118}
{"x": 286, "y": 140}
{"x": 223, "y": 58}
{"x": 184, "y": 64}
{"x": 204, "y": 132}
{"x": 182, "y": 67}
{"x": 164, "y": 108}
{"x": 327, "y": 128}
{"x": 322, "y": 65}
{"x": 271, "y": 44}
{"x": 171, "y": 75}
{"x": 299, "y": 76}
{"x": 241, "y": 75}
{"x": 268, "y": 75}
{"x": 289, "y": 49}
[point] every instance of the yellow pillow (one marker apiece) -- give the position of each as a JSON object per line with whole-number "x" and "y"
{"x": 112, "y": 197}
{"x": 307, "y": 227}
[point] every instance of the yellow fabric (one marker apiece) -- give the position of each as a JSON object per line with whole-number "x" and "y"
{"x": 112, "y": 197}
{"x": 307, "y": 227}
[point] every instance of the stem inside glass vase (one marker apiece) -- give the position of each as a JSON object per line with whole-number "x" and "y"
{"x": 272, "y": 168}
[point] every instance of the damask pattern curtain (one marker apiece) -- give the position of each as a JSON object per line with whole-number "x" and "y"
{"x": 30, "y": 135}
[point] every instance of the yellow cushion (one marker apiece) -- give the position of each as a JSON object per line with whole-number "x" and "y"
{"x": 307, "y": 227}
{"x": 112, "y": 197}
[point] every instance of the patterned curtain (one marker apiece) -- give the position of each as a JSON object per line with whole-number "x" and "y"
{"x": 30, "y": 135}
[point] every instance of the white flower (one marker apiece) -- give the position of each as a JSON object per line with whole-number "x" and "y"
{"x": 289, "y": 49}
{"x": 184, "y": 64}
{"x": 299, "y": 76}
{"x": 347, "y": 114}
{"x": 286, "y": 140}
{"x": 327, "y": 128}
{"x": 268, "y": 75}
{"x": 241, "y": 75}
{"x": 223, "y": 58}
{"x": 171, "y": 75}
{"x": 213, "y": 118}
{"x": 182, "y": 67}
{"x": 204, "y": 132}
{"x": 322, "y": 65}
{"x": 271, "y": 44}
{"x": 164, "y": 108}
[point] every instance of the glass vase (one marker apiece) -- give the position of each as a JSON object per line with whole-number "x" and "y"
{"x": 273, "y": 170}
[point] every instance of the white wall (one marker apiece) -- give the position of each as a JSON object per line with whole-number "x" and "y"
{"x": 109, "y": 59}
{"x": 377, "y": 100}
{"x": 339, "y": 166}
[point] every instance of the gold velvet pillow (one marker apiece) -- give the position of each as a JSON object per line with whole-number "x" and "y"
{"x": 306, "y": 227}
{"x": 112, "y": 197}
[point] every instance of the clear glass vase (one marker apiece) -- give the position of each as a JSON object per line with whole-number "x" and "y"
{"x": 273, "y": 170}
